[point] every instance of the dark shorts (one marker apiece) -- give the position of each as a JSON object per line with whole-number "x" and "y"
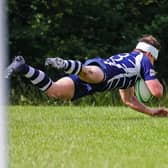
{"x": 82, "y": 88}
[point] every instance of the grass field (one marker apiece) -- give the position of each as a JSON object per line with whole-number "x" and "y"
{"x": 86, "y": 137}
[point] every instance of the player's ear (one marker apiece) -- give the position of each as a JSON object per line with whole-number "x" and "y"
{"x": 152, "y": 59}
{"x": 148, "y": 54}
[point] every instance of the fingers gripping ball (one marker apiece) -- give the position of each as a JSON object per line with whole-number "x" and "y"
{"x": 142, "y": 92}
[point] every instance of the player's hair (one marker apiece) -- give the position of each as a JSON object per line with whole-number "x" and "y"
{"x": 150, "y": 40}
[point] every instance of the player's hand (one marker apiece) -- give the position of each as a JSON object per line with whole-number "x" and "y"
{"x": 160, "y": 112}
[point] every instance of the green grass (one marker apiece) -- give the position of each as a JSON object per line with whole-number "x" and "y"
{"x": 86, "y": 137}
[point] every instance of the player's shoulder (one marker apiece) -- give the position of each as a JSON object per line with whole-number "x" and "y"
{"x": 147, "y": 69}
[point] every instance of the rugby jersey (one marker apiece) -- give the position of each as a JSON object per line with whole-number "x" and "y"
{"x": 126, "y": 68}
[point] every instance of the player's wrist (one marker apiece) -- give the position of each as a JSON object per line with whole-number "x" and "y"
{"x": 149, "y": 111}
{"x": 154, "y": 111}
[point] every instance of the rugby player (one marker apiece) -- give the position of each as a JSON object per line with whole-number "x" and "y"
{"x": 120, "y": 71}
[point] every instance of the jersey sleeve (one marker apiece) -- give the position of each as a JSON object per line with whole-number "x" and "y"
{"x": 147, "y": 69}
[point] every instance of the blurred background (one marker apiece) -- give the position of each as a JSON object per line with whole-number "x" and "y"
{"x": 81, "y": 29}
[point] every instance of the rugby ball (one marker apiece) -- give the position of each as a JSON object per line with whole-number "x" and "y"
{"x": 142, "y": 92}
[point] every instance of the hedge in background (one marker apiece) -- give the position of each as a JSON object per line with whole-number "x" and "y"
{"x": 80, "y": 29}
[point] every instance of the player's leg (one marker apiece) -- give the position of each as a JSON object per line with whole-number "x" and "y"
{"x": 37, "y": 77}
{"x": 91, "y": 73}
{"x": 63, "y": 88}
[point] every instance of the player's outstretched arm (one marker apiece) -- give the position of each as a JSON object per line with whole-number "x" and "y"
{"x": 128, "y": 98}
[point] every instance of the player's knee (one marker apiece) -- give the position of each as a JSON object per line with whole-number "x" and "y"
{"x": 92, "y": 74}
{"x": 50, "y": 93}
{"x": 53, "y": 92}
{"x": 57, "y": 95}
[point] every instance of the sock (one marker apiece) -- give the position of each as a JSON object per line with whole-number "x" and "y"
{"x": 37, "y": 77}
{"x": 73, "y": 67}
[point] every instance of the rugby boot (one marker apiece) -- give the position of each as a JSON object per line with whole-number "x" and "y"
{"x": 15, "y": 66}
{"x": 56, "y": 62}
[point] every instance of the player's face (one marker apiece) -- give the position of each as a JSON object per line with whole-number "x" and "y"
{"x": 152, "y": 59}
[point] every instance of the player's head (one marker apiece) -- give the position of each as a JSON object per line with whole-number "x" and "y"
{"x": 149, "y": 44}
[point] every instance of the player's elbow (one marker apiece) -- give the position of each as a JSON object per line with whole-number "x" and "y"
{"x": 155, "y": 88}
{"x": 158, "y": 93}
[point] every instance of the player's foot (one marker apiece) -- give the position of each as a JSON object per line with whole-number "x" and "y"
{"x": 14, "y": 67}
{"x": 56, "y": 62}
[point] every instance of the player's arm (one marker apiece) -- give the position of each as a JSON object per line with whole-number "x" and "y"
{"x": 149, "y": 75}
{"x": 128, "y": 98}
{"x": 155, "y": 87}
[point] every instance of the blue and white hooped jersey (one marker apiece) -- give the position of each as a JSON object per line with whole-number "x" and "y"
{"x": 123, "y": 70}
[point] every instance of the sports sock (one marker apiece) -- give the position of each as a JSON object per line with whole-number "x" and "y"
{"x": 37, "y": 77}
{"x": 72, "y": 67}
